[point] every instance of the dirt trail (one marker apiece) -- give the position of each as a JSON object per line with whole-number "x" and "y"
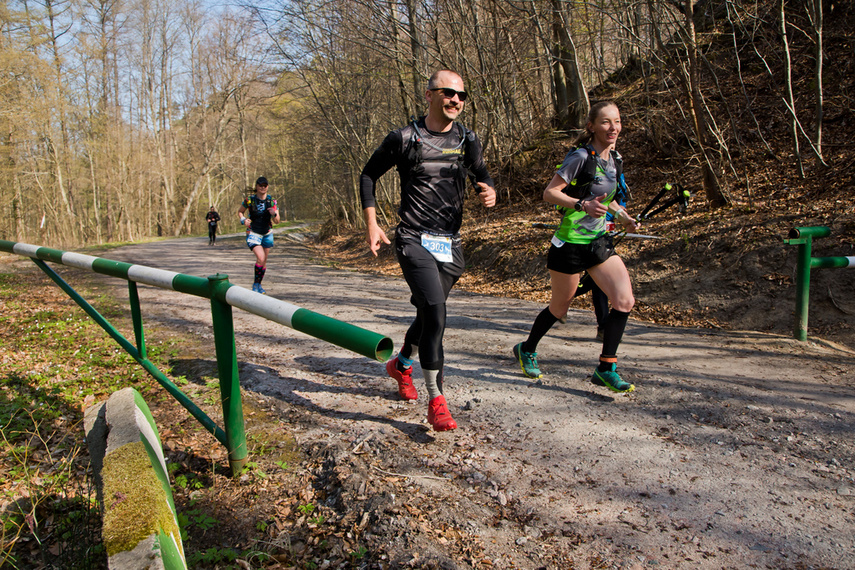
{"x": 735, "y": 451}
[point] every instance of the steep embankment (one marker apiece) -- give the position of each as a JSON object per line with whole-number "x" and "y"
{"x": 713, "y": 267}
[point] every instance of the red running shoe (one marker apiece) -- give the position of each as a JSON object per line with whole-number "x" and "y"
{"x": 439, "y": 416}
{"x": 405, "y": 380}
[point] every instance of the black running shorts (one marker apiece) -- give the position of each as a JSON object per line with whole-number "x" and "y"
{"x": 430, "y": 280}
{"x": 573, "y": 258}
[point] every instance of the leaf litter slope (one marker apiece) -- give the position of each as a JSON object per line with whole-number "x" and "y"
{"x": 733, "y": 451}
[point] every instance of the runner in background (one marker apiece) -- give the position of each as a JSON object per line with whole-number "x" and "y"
{"x": 262, "y": 214}
{"x": 212, "y": 217}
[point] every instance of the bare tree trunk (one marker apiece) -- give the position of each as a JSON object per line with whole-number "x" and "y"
{"x": 417, "y": 53}
{"x": 560, "y": 88}
{"x": 400, "y": 66}
{"x": 244, "y": 152}
{"x": 575, "y": 112}
{"x": 18, "y": 210}
{"x": 60, "y": 152}
{"x": 712, "y": 187}
{"x": 791, "y": 100}
{"x": 96, "y": 206}
{"x": 816, "y": 17}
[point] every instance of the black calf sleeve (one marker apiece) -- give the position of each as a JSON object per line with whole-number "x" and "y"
{"x": 541, "y": 326}
{"x": 601, "y": 304}
{"x": 613, "y": 328}
{"x": 412, "y": 338}
{"x": 432, "y": 319}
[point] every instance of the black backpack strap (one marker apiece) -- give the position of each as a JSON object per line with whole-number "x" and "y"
{"x": 468, "y": 139}
{"x": 582, "y": 183}
{"x": 414, "y": 144}
{"x": 590, "y": 166}
{"x": 623, "y": 195}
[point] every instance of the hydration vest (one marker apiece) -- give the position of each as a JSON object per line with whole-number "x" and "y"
{"x": 260, "y": 219}
{"x": 462, "y": 153}
{"x": 580, "y": 186}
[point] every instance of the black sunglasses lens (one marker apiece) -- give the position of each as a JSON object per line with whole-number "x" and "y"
{"x": 450, "y": 93}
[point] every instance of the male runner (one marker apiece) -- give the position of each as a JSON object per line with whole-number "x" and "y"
{"x": 433, "y": 156}
{"x": 212, "y": 217}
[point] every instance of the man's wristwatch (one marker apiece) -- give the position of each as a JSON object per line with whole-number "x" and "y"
{"x": 578, "y": 206}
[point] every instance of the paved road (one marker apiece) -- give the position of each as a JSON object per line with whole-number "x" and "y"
{"x": 736, "y": 449}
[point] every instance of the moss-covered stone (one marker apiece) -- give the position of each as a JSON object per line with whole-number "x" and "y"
{"x": 135, "y": 504}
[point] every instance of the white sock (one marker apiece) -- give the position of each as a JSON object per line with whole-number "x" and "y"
{"x": 431, "y": 383}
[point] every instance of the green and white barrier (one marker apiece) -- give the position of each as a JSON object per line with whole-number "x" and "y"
{"x": 223, "y": 296}
{"x": 140, "y": 528}
{"x": 356, "y": 339}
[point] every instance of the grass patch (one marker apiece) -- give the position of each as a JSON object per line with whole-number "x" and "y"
{"x": 55, "y": 363}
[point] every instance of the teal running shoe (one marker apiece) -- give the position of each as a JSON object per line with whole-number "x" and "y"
{"x": 528, "y": 362}
{"x": 611, "y": 380}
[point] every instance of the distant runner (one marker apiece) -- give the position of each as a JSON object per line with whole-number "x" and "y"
{"x": 433, "y": 156}
{"x": 213, "y": 217}
{"x": 263, "y": 213}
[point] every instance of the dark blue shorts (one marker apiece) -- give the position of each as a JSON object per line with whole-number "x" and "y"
{"x": 253, "y": 239}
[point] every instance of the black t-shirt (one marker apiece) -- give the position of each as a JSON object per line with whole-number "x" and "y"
{"x": 432, "y": 190}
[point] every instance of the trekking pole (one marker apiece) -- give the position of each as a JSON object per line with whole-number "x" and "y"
{"x": 682, "y": 198}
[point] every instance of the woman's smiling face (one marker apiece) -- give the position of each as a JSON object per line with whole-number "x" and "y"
{"x": 606, "y": 127}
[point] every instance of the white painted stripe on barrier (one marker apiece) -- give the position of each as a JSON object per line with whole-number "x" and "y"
{"x": 268, "y": 307}
{"x": 78, "y": 260}
{"x": 851, "y": 261}
{"x": 25, "y": 249}
{"x": 151, "y": 276}
{"x": 147, "y": 432}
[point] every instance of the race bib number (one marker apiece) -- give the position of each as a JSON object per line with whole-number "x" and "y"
{"x": 438, "y": 246}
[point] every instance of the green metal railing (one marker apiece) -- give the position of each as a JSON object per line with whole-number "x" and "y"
{"x": 223, "y": 296}
{"x": 803, "y": 237}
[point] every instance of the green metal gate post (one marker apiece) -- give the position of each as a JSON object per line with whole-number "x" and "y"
{"x": 136, "y": 316}
{"x": 803, "y": 237}
{"x": 224, "y": 342}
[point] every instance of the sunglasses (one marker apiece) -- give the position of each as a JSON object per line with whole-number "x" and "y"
{"x": 450, "y": 93}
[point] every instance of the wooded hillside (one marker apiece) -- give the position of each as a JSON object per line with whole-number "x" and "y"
{"x": 123, "y": 121}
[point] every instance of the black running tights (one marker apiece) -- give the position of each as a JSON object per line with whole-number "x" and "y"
{"x": 426, "y": 332}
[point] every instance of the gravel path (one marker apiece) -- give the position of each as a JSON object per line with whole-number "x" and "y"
{"x": 735, "y": 450}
